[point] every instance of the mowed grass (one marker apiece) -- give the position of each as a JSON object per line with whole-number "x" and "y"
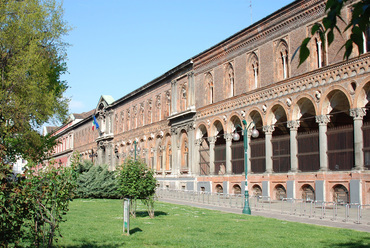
{"x": 98, "y": 223}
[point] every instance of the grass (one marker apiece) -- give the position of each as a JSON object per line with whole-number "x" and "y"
{"x": 98, "y": 223}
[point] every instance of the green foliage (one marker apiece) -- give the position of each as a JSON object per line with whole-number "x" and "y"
{"x": 136, "y": 181}
{"x": 32, "y": 207}
{"x": 358, "y": 25}
{"x": 50, "y": 190}
{"x": 96, "y": 181}
{"x": 14, "y": 205}
{"x": 32, "y": 59}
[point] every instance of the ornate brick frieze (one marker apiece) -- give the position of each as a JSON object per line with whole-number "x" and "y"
{"x": 315, "y": 79}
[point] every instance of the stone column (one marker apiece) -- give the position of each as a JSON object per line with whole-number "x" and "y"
{"x": 191, "y": 143}
{"x": 173, "y": 97}
{"x": 229, "y": 138}
{"x": 268, "y": 147}
{"x": 212, "y": 141}
{"x": 196, "y": 160}
{"x": 323, "y": 121}
{"x": 155, "y": 159}
{"x": 175, "y": 163}
{"x": 358, "y": 114}
{"x": 191, "y": 90}
{"x": 293, "y": 126}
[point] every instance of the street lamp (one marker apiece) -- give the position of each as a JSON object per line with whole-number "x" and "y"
{"x": 137, "y": 149}
{"x": 236, "y": 136}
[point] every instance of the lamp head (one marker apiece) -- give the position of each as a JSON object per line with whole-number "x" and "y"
{"x": 244, "y": 122}
{"x": 236, "y": 136}
{"x": 255, "y": 133}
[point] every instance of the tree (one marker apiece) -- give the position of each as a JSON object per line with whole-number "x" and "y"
{"x": 33, "y": 206}
{"x": 96, "y": 181}
{"x": 359, "y": 24}
{"x": 32, "y": 59}
{"x": 136, "y": 181}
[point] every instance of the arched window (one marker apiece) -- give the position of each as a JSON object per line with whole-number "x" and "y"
{"x": 237, "y": 189}
{"x": 282, "y": 64}
{"x": 209, "y": 89}
{"x": 219, "y": 189}
{"x": 253, "y": 71}
{"x": 320, "y": 53}
{"x": 229, "y": 80}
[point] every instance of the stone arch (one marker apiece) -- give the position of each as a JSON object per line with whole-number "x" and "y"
{"x": 256, "y": 190}
{"x": 168, "y": 154}
{"x": 304, "y": 113}
{"x": 362, "y": 96}
{"x": 340, "y": 194}
{"x": 233, "y": 121}
{"x": 277, "y": 116}
{"x": 307, "y": 192}
{"x": 279, "y": 192}
{"x": 202, "y": 138}
{"x": 237, "y": 189}
{"x": 184, "y": 148}
{"x": 335, "y": 99}
{"x": 216, "y": 127}
{"x": 302, "y": 105}
{"x": 257, "y": 159}
{"x": 219, "y": 189}
{"x": 202, "y": 131}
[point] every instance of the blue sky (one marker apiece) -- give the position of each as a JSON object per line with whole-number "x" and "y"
{"x": 119, "y": 45}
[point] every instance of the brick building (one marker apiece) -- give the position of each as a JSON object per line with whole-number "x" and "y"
{"x": 313, "y": 123}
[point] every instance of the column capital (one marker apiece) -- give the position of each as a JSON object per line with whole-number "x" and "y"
{"x": 357, "y": 113}
{"x": 293, "y": 125}
{"x": 268, "y": 129}
{"x": 228, "y": 136}
{"x": 322, "y": 119}
{"x": 198, "y": 142}
{"x": 212, "y": 139}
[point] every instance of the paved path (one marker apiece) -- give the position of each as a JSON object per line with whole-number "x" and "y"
{"x": 294, "y": 218}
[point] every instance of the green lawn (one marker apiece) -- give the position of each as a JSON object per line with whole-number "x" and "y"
{"x": 98, "y": 223}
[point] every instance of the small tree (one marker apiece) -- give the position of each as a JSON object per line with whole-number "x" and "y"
{"x": 96, "y": 181}
{"x": 136, "y": 181}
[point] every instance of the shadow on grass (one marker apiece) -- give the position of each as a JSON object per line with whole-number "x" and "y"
{"x": 363, "y": 243}
{"x": 145, "y": 213}
{"x": 135, "y": 230}
{"x": 92, "y": 245}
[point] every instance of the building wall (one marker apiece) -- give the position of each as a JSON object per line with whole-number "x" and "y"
{"x": 312, "y": 120}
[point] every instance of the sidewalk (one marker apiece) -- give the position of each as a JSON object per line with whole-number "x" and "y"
{"x": 294, "y": 218}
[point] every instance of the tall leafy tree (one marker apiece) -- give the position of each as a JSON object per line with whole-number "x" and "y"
{"x": 32, "y": 59}
{"x": 358, "y": 25}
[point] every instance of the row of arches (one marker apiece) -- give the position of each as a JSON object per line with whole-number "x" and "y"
{"x": 303, "y": 126}
{"x": 339, "y": 193}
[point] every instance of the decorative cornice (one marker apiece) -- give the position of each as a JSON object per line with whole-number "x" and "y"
{"x": 266, "y": 29}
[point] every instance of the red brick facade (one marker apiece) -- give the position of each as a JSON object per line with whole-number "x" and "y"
{"x": 313, "y": 120}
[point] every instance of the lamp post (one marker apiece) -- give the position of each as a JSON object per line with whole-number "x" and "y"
{"x": 236, "y": 136}
{"x": 136, "y": 149}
